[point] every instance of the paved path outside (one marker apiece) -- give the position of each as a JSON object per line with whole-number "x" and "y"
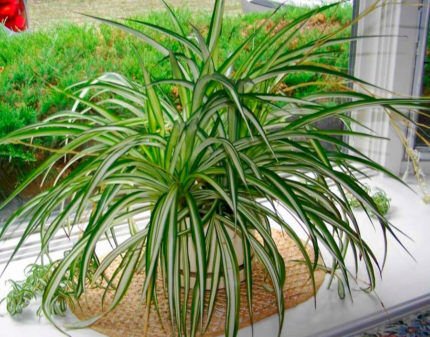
{"x": 42, "y": 12}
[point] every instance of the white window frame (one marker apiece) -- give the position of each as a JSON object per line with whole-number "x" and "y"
{"x": 419, "y": 75}
{"x": 388, "y": 61}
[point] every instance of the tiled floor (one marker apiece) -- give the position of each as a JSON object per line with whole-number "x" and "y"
{"x": 415, "y": 325}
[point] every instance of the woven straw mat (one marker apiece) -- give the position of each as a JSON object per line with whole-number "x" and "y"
{"x": 128, "y": 318}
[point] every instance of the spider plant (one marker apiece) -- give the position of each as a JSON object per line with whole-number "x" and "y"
{"x": 221, "y": 156}
{"x": 379, "y": 196}
{"x": 37, "y": 276}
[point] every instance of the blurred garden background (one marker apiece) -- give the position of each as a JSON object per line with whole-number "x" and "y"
{"x": 43, "y": 12}
{"x": 64, "y": 47}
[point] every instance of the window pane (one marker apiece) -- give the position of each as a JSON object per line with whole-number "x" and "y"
{"x": 423, "y": 119}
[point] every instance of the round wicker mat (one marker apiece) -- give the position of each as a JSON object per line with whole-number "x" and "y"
{"x": 128, "y": 319}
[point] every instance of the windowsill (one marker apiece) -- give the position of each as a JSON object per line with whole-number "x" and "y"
{"x": 424, "y": 152}
{"x": 424, "y": 167}
{"x": 403, "y": 280}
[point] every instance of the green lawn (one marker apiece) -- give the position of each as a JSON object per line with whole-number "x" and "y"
{"x": 65, "y": 54}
